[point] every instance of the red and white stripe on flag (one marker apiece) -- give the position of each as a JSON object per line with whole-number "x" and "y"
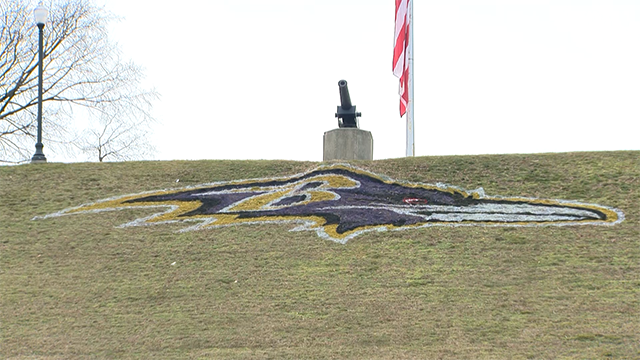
{"x": 400, "y": 56}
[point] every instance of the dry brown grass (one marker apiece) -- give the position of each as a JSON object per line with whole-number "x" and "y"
{"x": 78, "y": 287}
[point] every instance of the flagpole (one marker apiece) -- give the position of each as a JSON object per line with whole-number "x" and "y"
{"x": 411, "y": 147}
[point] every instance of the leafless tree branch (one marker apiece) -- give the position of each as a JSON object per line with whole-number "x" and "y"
{"x": 82, "y": 70}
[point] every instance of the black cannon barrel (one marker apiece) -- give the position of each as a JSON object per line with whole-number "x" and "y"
{"x": 345, "y": 99}
{"x": 346, "y": 112}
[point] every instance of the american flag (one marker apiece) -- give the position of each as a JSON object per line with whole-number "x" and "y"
{"x": 400, "y": 56}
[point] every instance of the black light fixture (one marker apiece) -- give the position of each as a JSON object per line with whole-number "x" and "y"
{"x": 40, "y": 13}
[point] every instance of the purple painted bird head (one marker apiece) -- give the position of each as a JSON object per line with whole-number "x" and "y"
{"x": 340, "y": 202}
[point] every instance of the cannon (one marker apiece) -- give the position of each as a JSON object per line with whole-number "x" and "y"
{"x": 346, "y": 113}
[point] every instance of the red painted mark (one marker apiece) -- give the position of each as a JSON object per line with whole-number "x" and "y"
{"x": 414, "y": 201}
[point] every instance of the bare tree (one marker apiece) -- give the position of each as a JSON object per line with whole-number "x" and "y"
{"x": 82, "y": 68}
{"x": 113, "y": 137}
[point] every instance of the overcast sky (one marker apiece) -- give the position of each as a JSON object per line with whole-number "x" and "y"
{"x": 257, "y": 79}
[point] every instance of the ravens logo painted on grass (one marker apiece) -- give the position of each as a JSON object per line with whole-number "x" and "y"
{"x": 340, "y": 202}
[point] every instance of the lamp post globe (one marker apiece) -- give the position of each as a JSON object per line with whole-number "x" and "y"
{"x": 40, "y": 14}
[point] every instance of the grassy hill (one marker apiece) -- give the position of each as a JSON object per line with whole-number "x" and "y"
{"x": 80, "y": 287}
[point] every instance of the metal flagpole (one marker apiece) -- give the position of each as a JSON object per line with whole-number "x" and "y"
{"x": 411, "y": 147}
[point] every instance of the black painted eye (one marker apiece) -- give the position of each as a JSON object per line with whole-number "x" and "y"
{"x": 414, "y": 201}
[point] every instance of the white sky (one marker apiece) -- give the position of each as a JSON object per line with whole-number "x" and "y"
{"x": 257, "y": 79}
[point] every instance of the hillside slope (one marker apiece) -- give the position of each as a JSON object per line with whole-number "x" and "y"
{"x": 81, "y": 286}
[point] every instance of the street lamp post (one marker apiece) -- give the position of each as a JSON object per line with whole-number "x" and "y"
{"x": 40, "y": 14}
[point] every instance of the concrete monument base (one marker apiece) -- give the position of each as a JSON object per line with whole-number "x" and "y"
{"x": 347, "y": 144}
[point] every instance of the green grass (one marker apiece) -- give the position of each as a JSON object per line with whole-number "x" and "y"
{"x": 79, "y": 287}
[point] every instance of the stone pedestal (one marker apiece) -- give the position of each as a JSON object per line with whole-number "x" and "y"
{"x": 347, "y": 144}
